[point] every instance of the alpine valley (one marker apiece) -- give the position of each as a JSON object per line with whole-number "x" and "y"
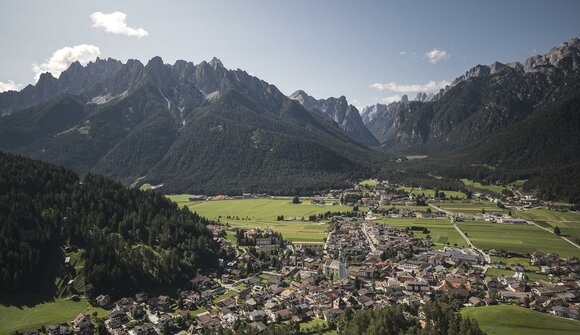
{"x": 209, "y": 130}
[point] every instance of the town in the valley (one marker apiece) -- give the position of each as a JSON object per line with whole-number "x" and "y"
{"x": 362, "y": 262}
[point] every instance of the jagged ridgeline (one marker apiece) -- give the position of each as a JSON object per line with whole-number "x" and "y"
{"x": 502, "y": 121}
{"x": 133, "y": 239}
{"x": 193, "y": 128}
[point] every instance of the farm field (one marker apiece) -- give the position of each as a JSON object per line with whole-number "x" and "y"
{"x": 514, "y": 320}
{"x": 516, "y": 238}
{"x": 478, "y": 186}
{"x": 369, "y": 182}
{"x": 568, "y": 222}
{"x": 262, "y": 213}
{"x": 430, "y": 192}
{"x": 470, "y": 208}
{"x": 16, "y": 318}
{"x": 440, "y": 230}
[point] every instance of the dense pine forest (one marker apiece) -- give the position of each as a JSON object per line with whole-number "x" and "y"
{"x": 133, "y": 239}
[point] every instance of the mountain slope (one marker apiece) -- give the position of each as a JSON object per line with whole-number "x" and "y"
{"x": 133, "y": 240}
{"x": 512, "y": 120}
{"x": 193, "y": 128}
{"x": 483, "y": 102}
{"x": 337, "y": 109}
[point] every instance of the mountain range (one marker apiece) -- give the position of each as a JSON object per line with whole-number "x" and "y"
{"x": 207, "y": 129}
{"x": 192, "y": 128}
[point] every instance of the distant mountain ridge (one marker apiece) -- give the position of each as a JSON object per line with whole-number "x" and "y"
{"x": 463, "y": 110}
{"x": 337, "y": 109}
{"x": 493, "y": 116}
{"x": 193, "y": 128}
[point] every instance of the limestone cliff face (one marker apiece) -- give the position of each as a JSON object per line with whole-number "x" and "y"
{"x": 337, "y": 109}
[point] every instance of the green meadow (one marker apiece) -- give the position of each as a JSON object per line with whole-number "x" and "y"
{"x": 514, "y": 320}
{"x": 568, "y": 222}
{"x": 369, "y": 182}
{"x": 440, "y": 230}
{"x": 431, "y": 193}
{"x": 478, "y": 186}
{"x": 516, "y": 238}
{"x": 262, "y": 213}
{"x": 16, "y": 318}
{"x": 470, "y": 208}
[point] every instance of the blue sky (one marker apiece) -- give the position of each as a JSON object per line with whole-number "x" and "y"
{"x": 327, "y": 48}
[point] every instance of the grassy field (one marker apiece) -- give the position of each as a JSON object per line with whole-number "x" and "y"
{"x": 514, "y": 320}
{"x": 470, "y": 208}
{"x": 369, "y": 182}
{"x": 14, "y": 318}
{"x": 145, "y": 187}
{"x": 431, "y": 193}
{"x": 478, "y": 186}
{"x": 516, "y": 238}
{"x": 262, "y": 213}
{"x": 312, "y": 325}
{"x": 568, "y": 222}
{"x": 525, "y": 262}
{"x": 440, "y": 230}
{"x": 509, "y": 273}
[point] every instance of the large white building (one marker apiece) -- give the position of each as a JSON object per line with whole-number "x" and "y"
{"x": 336, "y": 268}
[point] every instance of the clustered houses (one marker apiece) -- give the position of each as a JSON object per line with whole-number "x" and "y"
{"x": 388, "y": 267}
{"x": 361, "y": 265}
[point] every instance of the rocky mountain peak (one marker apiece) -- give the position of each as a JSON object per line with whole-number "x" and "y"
{"x": 565, "y": 57}
{"x": 337, "y": 109}
{"x": 215, "y": 63}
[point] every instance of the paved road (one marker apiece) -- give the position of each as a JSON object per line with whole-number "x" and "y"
{"x": 552, "y": 232}
{"x": 467, "y": 240}
{"x": 371, "y": 244}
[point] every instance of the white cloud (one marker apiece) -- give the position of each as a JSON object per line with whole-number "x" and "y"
{"x": 114, "y": 23}
{"x": 10, "y": 85}
{"x": 61, "y": 59}
{"x": 391, "y": 99}
{"x": 394, "y": 87}
{"x": 403, "y": 53}
{"x": 436, "y": 56}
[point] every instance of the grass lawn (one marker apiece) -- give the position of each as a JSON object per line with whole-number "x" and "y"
{"x": 431, "y": 193}
{"x": 262, "y": 213}
{"x": 478, "y": 186}
{"x": 516, "y": 238}
{"x": 440, "y": 230}
{"x": 525, "y": 262}
{"x": 224, "y": 296}
{"x": 14, "y": 318}
{"x": 514, "y": 320}
{"x": 568, "y": 222}
{"x": 311, "y": 325}
{"x": 509, "y": 273}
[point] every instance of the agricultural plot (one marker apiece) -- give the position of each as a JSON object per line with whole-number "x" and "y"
{"x": 21, "y": 318}
{"x": 431, "y": 193}
{"x": 516, "y": 238}
{"x": 568, "y": 222}
{"x": 514, "y": 320}
{"x": 489, "y": 188}
{"x": 470, "y": 208}
{"x": 441, "y": 230}
{"x": 262, "y": 213}
{"x": 369, "y": 182}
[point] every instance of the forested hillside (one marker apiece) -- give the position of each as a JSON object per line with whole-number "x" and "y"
{"x": 133, "y": 239}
